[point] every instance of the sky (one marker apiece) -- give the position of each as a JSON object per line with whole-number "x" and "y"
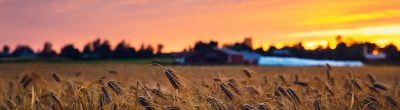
{"x": 178, "y": 24}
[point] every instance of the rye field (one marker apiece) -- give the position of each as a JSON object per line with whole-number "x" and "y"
{"x": 114, "y": 86}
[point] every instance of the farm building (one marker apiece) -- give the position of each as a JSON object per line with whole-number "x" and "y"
{"x": 375, "y": 55}
{"x": 250, "y": 57}
{"x": 292, "y": 61}
{"x": 214, "y": 56}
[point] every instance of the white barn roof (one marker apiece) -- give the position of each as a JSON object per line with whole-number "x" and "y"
{"x": 291, "y": 61}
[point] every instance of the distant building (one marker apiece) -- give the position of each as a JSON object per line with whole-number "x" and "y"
{"x": 374, "y": 55}
{"x": 303, "y": 62}
{"x": 214, "y": 56}
{"x": 179, "y": 57}
{"x": 281, "y": 52}
{"x": 250, "y": 57}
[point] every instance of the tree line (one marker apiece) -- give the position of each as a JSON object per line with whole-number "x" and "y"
{"x": 101, "y": 49}
{"x": 97, "y": 49}
{"x": 343, "y": 50}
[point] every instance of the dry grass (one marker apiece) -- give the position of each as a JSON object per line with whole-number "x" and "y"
{"x": 130, "y": 86}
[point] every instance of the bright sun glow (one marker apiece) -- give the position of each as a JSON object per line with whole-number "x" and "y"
{"x": 375, "y": 52}
{"x": 381, "y": 35}
{"x": 315, "y": 44}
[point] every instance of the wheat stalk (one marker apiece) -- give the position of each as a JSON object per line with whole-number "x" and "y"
{"x": 56, "y": 78}
{"x": 115, "y": 87}
{"x": 228, "y": 93}
{"x": 145, "y": 103}
{"x": 215, "y": 103}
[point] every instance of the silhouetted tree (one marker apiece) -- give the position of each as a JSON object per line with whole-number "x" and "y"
{"x": 6, "y": 51}
{"x": 122, "y": 50}
{"x": 260, "y": 50}
{"x": 270, "y": 51}
{"x": 240, "y": 47}
{"x": 356, "y": 52}
{"x": 246, "y": 45}
{"x": 89, "y": 52}
{"x": 145, "y": 52}
{"x": 202, "y": 45}
{"x": 105, "y": 50}
{"x": 299, "y": 51}
{"x": 23, "y": 51}
{"x": 69, "y": 51}
{"x": 141, "y": 51}
{"x": 340, "y": 51}
{"x": 119, "y": 51}
{"x": 160, "y": 47}
{"x": 339, "y": 39}
{"x": 392, "y": 53}
{"x": 99, "y": 49}
{"x": 87, "y": 49}
{"x": 149, "y": 51}
{"x": 96, "y": 45}
{"x": 47, "y": 51}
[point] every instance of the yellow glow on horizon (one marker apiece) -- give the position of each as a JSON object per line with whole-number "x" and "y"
{"x": 311, "y": 45}
{"x": 385, "y": 30}
{"x": 382, "y": 42}
{"x": 265, "y": 46}
{"x": 381, "y": 35}
{"x": 279, "y": 45}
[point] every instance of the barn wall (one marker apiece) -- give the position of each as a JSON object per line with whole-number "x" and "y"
{"x": 236, "y": 59}
{"x": 202, "y": 59}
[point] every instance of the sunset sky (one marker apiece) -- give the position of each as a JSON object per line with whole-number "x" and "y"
{"x": 180, "y": 23}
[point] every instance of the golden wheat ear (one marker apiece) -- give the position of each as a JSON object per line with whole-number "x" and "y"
{"x": 56, "y": 77}
{"x": 215, "y": 103}
{"x": 246, "y": 107}
{"x": 263, "y": 106}
{"x": 145, "y": 103}
{"x": 172, "y": 78}
{"x": 115, "y": 87}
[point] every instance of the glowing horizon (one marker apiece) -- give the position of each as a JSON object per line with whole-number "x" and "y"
{"x": 179, "y": 24}
{"x": 380, "y": 35}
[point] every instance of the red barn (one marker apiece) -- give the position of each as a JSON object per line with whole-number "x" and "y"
{"x": 214, "y": 56}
